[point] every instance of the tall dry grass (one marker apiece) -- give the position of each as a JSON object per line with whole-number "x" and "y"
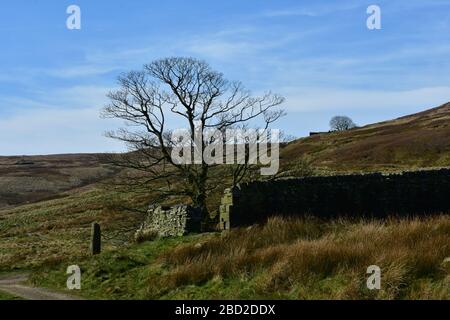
{"x": 309, "y": 258}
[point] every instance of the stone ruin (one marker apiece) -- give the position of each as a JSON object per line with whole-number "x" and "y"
{"x": 170, "y": 221}
{"x": 373, "y": 195}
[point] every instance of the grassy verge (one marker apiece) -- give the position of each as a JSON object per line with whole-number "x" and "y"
{"x": 284, "y": 259}
{"x": 7, "y": 296}
{"x": 120, "y": 274}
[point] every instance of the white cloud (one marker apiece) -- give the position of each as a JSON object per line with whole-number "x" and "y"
{"x": 63, "y": 121}
{"x": 221, "y": 49}
{"x": 242, "y": 43}
{"x": 311, "y": 10}
{"x": 49, "y": 130}
{"x": 313, "y": 99}
{"x": 76, "y": 71}
{"x": 290, "y": 12}
{"x": 78, "y": 96}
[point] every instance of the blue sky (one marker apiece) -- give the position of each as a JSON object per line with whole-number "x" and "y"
{"x": 318, "y": 54}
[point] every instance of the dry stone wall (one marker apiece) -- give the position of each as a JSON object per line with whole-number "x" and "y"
{"x": 374, "y": 195}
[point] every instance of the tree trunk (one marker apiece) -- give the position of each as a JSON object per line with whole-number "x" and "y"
{"x": 199, "y": 199}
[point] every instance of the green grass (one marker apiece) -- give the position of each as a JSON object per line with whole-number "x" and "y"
{"x": 47, "y": 233}
{"x": 7, "y": 296}
{"x": 284, "y": 259}
{"x": 118, "y": 274}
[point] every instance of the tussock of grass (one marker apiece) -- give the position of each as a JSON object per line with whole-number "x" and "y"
{"x": 293, "y": 258}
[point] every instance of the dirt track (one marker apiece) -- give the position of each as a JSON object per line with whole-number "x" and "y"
{"x": 13, "y": 284}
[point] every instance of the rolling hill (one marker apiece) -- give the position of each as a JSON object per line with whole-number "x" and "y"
{"x": 420, "y": 140}
{"x": 33, "y": 178}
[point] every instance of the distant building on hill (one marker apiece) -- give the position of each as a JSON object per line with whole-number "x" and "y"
{"x": 317, "y": 133}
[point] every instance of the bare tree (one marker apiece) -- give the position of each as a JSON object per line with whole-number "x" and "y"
{"x": 341, "y": 123}
{"x": 286, "y": 138}
{"x": 190, "y": 93}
